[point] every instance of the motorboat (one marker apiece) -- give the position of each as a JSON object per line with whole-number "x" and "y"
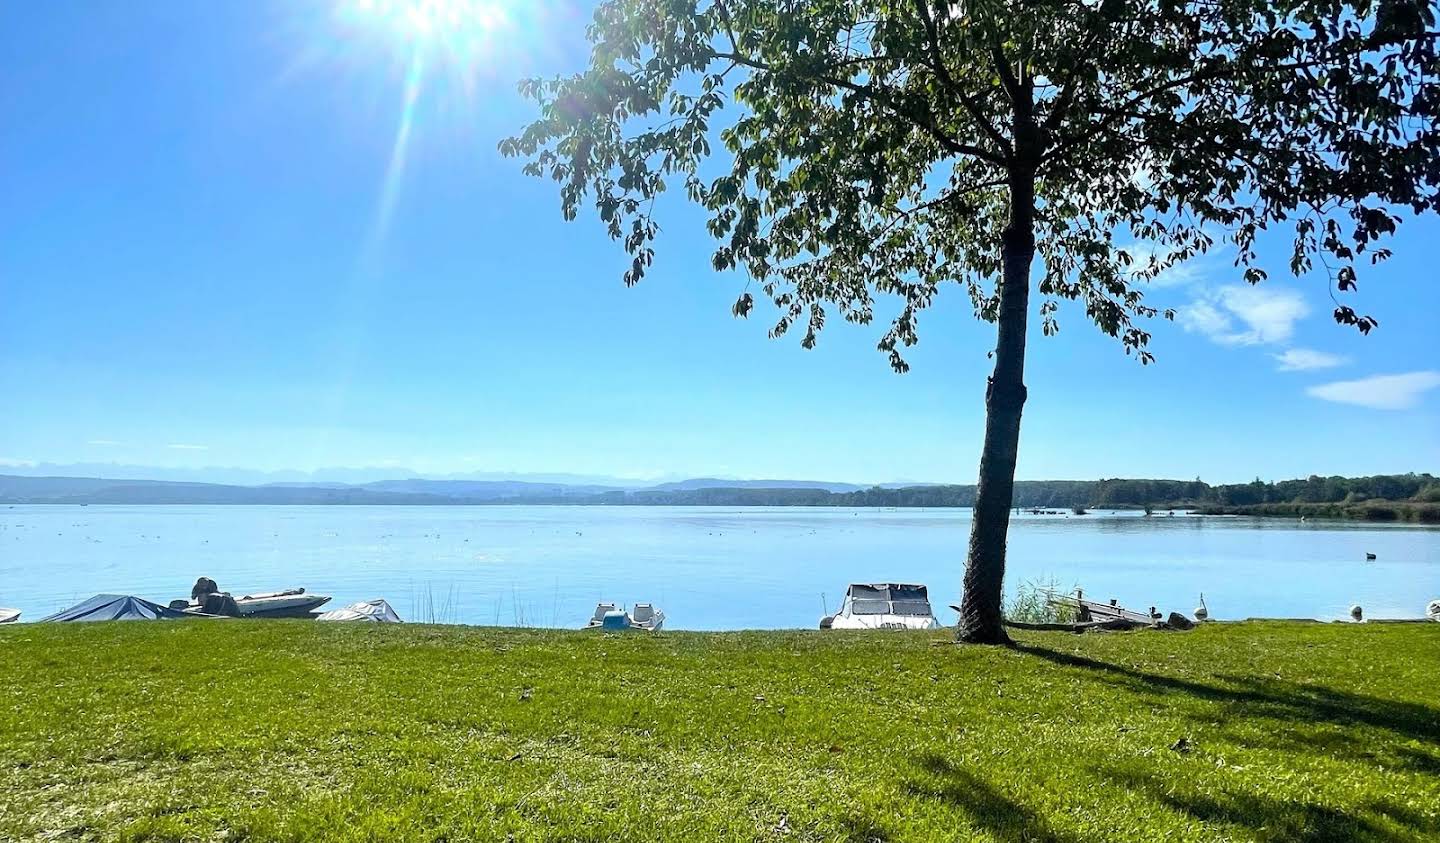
{"x": 883, "y": 606}
{"x": 366, "y": 611}
{"x": 206, "y": 598}
{"x": 645, "y": 616}
{"x": 9, "y": 615}
{"x": 290, "y": 603}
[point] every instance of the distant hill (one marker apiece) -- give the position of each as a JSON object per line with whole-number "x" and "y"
{"x": 1099, "y": 494}
{"x": 715, "y": 483}
{"x": 88, "y": 490}
{"x": 485, "y": 490}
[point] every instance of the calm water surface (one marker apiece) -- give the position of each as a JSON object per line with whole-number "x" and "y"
{"x": 708, "y": 567}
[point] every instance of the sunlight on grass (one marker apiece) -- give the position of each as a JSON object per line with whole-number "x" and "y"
{"x": 302, "y": 731}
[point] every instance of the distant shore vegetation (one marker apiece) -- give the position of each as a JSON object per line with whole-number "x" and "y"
{"x": 1384, "y": 497}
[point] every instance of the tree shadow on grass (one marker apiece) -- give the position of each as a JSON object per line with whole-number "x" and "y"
{"x": 985, "y": 805}
{"x": 1418, "y": 760}
{"x": 1255, "y": 697}
{"x": 1268, "y": 818}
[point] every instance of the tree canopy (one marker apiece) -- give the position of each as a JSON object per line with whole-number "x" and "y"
{"x": 871, "y": 143}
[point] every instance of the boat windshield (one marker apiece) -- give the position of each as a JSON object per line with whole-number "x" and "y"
{"x": 919, "y": 608}
{"x": 869, "y": 607}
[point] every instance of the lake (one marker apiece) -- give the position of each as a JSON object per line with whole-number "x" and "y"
{"x": 707, "y": 567}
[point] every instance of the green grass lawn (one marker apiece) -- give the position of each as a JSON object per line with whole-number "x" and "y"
{"x": 293, "y": 730}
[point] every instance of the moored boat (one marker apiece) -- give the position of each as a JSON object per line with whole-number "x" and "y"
{"x": 647, "y": 617}
{"x": 883, "y": 606}
{"x": 207, "y": 598}
{"x": 607, "y": 610}
{"x": 612, "y": 617}
{"x": 290, "y": 603}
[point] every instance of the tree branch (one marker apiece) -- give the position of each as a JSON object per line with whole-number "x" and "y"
{"x": 947, "y": 82}
{"x": 923, "y": 120}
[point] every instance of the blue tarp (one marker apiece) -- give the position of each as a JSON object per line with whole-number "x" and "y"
{"x": 116, "y": 607}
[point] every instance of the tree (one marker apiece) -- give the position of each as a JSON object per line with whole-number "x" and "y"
{"x": 892, "y": 147}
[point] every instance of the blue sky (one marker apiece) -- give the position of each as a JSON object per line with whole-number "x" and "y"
{"x": 214, "y": 252}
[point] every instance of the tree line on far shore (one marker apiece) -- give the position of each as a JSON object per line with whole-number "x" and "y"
{"x": 1419, "y": 493}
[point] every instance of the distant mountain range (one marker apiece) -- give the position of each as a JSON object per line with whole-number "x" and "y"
{"x": 87, "y": 490}
{"x": 1421, "y": 489}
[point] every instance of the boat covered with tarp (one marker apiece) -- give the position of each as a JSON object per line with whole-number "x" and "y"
{"x": 9, "y": 615}
{"x": 366, "y": 611}
{"x": 116, "y": 607}
{"x": 883, "y": 606}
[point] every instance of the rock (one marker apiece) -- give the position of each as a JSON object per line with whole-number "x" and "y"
{"x": 1179, "y": 621}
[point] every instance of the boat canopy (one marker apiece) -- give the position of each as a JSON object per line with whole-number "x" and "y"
{"x": 116, "y": 607}
{"x": 369, "y": 611}
{"x": 888, "y": 599}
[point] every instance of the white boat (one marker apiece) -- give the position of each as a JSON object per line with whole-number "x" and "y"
{"x": 9, "y": 615}
{"x": 368, "y": 611}
{"x": 290, "y": 603}
{"x": 206, "y": 598}
{"x": 883, "y": 606}
{"x": 612, "y": 617}
{"x": 1432, "y": 611}
{"x": 601, "y": 610}
{"x": 645, "y": 616}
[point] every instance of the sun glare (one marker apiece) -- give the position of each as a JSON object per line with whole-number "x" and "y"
{"x": 422, "y": 20}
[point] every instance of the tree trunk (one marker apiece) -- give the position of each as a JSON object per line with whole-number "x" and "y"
{"x": 980, "y": 616}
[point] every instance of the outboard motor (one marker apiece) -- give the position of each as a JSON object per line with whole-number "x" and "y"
{"x": 202, "y": 587}
{"x": 208, "y": 598}
{"x": 219, "y": 603}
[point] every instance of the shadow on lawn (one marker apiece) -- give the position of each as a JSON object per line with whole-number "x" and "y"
{"x": 1274, "y": 698}
{"x": 1275, "y": 819}
{"x": 986, "y": 806}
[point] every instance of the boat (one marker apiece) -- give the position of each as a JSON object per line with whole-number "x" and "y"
{"x": 117, "y": 607}
{"x": 1432, "y": 611}
{"x": 883, "y": 606}
{"x": 367, "y": 611}
{"x": 207, "y": 598}
{"x": 1089, "y": 610}
{"x": 290, "y": 603}
{"x": 612, "y": 617}
{"x": 645, "y": 616}
{"x": 618, "y": 618}
{"x": 9, "y": 615}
